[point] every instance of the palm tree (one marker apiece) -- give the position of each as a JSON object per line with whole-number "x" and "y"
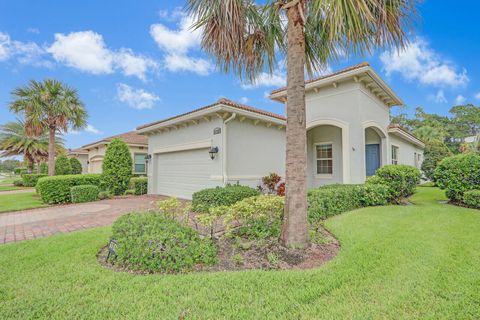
{"x": 249, "y": 37}
{"x": 429, "y": 134}
{"x": 15, "y": 141}
{"x": 49, "y": 106}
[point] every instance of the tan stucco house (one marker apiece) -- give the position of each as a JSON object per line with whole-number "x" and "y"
{"x": 349, "y": 136}
{"x": 91, "y": 155}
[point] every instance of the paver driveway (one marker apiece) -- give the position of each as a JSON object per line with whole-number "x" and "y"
{"x": 36, "y": 223}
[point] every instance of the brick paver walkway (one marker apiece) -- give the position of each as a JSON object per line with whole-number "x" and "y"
{"x": 36, "y": 223}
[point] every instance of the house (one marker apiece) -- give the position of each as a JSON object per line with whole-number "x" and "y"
{"x": 91, "y": 155}
{"x": 349, "y": 136}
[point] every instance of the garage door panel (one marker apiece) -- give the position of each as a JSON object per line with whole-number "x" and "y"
{"x": 182, "y": 173}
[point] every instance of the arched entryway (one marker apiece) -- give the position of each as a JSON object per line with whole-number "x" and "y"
{"x": 375, "y": 148}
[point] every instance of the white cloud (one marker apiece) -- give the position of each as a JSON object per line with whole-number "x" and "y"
{"x": 459, "y": 100}
{"x": 439, "y": 97}
{"x": 33, "y": 30}
{"x": 418, "y": 62}
{"x": 136, "y": 98}
{"x": 91, "y": 129}
{"x": 244, "y": 100}
{"x": 87, "y": 51}
{"x": 277, "y": 79}
{"x": 178, "y": 44}
{"x": 23, "y": 52}
{"x": 477, "y": 95}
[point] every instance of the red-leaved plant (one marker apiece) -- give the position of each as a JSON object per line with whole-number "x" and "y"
{"x": 272, "y": 184}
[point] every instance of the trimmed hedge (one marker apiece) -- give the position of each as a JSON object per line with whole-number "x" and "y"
{"x": 18, "y": 182}
{"x": 205, "y": 199}
{"x": 76, "y": 166}
{"x": 401, "y": 180}
{"x": 140, "y": 185}
{"x": 117, "y": 167}
{"x": 56, "y": 189}
{"x": 20, "y": 170}
{"x": 31, "y": 179}
{"x": 62, "y": 166}
{"x": 156, "y": 243}
{"x": 331, "y": 200}
{"x": 84, "y": 193}
{"x": 458, "y": 174}
{"x": 472, "y": 198}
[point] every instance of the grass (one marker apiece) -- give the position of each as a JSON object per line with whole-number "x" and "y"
{"x": 8, "y": 180}
{"x": 9, "y": 188}
{"x": 396, "y": 262}
{"x": 20, "y": 201}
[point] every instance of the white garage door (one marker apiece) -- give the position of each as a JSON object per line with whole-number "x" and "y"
{"x": 181, "y": 173}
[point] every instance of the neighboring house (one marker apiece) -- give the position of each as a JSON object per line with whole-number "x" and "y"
{"x": 92, "y": 154}
{"x": 349, "y": 136}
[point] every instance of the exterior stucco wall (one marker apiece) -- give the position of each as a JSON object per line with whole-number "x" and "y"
{"x": 204, "y": 130}
{"x": 254, "y": 151}
{"x": 406, "y": 151}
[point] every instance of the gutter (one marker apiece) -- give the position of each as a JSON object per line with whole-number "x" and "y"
{"x": 224, "y": 148}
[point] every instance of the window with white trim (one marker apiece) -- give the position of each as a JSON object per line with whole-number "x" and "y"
{"x": 140, "y": 163}
{"x": 324, "y": 157}
{"x": 395, "y": 155}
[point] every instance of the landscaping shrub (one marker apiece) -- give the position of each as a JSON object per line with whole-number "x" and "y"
{"x": 104, "y": 195}
{"x": 20, "y": 170}
{"x": 76, "y": 166}
{"x": 57, "y": 189}
{"x": 84, "y": 193}
{"x": 458, "y": 174}
{"x": 62, "y": 166}
{"x": 31, "y": 179}
{"x": 434, "y": 153}
{"x": 44, "y": 168}
{"x": 205, "y": 199}
{"x": 117, "y": 167}
{"x": 331, "y": 200}
{"x": 18, "y": 182}
{"x": 400, "y": 179}
{"x": 140, "y": 185}
{"x": 272, "y": 184}
{"x": 156, "y": 243}
{"x": 472, "y": 198}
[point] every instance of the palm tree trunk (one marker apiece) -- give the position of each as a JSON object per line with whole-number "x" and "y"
{"x": 51, "y": 151}
{"x": 295, "y": 227}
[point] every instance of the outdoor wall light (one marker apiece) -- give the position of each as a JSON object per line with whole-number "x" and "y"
{"x": 148, "y": 157}
{"x": 213, "y": 151}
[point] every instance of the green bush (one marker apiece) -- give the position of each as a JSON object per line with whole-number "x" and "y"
{"x": 205, "y": 199}
{"x": 76, "y": 166}
{"x": 44, "y": 168}
{"x": 117, "y": 167}
{"x": 140, "y": 185}
{"x": 331, "y": 200}
{"x": 472, "y": 198}
{"x": 18, "y": 182}
{"x": 400, "y": 179}
{"x": 31, "y": 179}
{"x": 20, "y": 170}
{"x": 57, "y": 189}
{"x": 434, "y": 153}
{"x": 153, "y": 242}
{"x": 84, "y": 193}
{"x": 62, "y": 166}
{"x": 104, "y": 195}
{"x": 458, "y": 174}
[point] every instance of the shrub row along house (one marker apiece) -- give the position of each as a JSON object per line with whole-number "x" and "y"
{"x": 349, "y": 137}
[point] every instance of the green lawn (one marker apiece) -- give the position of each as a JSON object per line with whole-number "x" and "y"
{"x": 8, "y": 180}
{"x": 20, "y": 201}
{"x": 396, "y": 262}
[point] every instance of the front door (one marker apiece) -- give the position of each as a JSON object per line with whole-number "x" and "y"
{"x": 372, "y": 158}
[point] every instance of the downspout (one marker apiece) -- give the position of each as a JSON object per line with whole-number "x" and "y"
{"x": 224, "y": 148}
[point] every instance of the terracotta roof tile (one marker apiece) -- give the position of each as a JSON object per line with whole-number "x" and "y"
{"x": 397, "y": 126}
{"x": 129, "y": 138}
{"x": 221, "y": 101}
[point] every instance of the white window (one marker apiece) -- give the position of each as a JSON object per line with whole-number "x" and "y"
{"x": 395, "y": 155}
{"x": 139, "y": 163}
{"x": 324, "y": 157}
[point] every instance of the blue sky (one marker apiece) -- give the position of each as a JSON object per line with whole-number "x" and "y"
{"x": 134, "y": 62}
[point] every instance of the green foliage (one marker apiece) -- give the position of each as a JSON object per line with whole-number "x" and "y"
{"x": 434, "y": 153}
{"x": 140, "y": 185}
{"x": 31, "y": 179}
{"x": 205, "y": 199}
{"x": 117, "y": 167}
{"x": 458, "y": 174}
{"x": 334, "y": 199}
{"x": 62, "y": 166}
{"x": 18, "y": 182}
{"x": 76, "y": 166}
{"x": 104, "y": 195}
{"x": 260, "y": 217}
{"x": 472, "y": 198}
{"x": 20, "y": 170}
{"x": 56, "y": 189}
{"x": 43, "y": 168}
{"x": 9, "y": 165}
{"x": 84, "y": 193}
{"x": 156, "y": 243}
{"x": 401, "y": 180}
